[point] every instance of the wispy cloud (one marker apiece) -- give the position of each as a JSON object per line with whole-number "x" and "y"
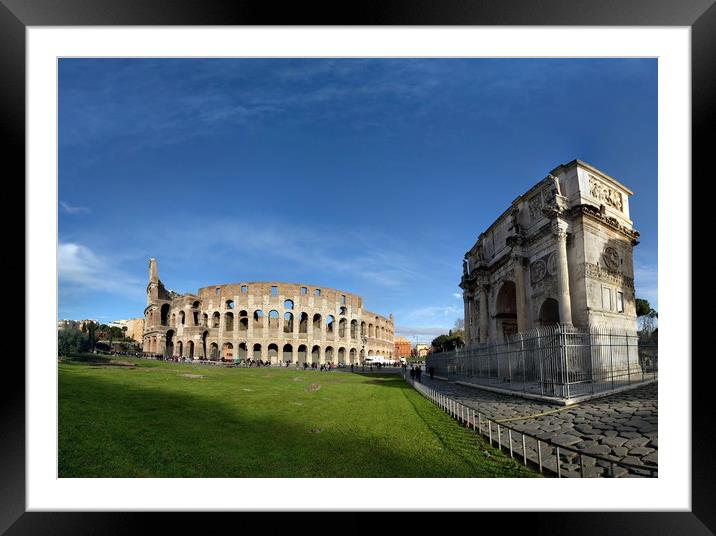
{"x": 419, "y": 334}
{"x": 69, "y": 209}
{"x": 457, "y": 295}
{"x": 81, "y": 269}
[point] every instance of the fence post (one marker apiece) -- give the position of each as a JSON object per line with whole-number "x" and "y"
{"x": 626, "y": 336}
{"x": 539, "y": 454}
{"x": 566, "y": 359}
{"x": 524, "y": 449}
{"x": 524, "y": 370}
{"x": 611, "y": 358}
{"x": 509, "y": 438}
{"x": 559, "y": 469}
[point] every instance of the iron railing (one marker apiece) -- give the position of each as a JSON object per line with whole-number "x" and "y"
{"x": 550, "y": 458}
{"x": 557, "y": 361}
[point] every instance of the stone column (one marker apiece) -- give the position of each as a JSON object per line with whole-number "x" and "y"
{"x": 559, "y": 229}
{"x": 520, "y": 292}
{"x": 483, "y": 313}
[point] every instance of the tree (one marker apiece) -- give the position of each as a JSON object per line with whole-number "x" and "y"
{"x": 646, "y": 316}
{"x": 449, "y": 342}
{"x": 459, "y": 324}
{"x": 72, "y": 341}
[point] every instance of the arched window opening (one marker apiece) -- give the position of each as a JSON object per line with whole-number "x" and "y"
{"x": 169, "y": 343}
{"x": 342, "y": 356}
{"x": 353, "y": 356}
{"x": 205, "y": 320}
{"x": 190, "y": 348}
{"x": 362, "y": 329}
{"x": 343, "y": 311}
{"x": 164, "y": 314}
{"x": 287, "y": 353}
{"x": 304, "y": 291}
{"x": 215, "y": 320}
{"x": 329, "y": 354}
{"x": 317, "y": 292}
{"x": 273, "y": 320}
{"x": 244, "y": 289}
{"x": 342, "y": 327}
{"x": 242, "y": 350}
{"x": 354, "y": 329}
{"x": 316, "y": 354}
{"x": 288, "y": 323}
{"x": 229, "y": 304}
{"x": 288, "y": 304}
{"x": 258, "y": 319}
{"x": 257, "y": 352}
{"x": 371, "y": 331}
{"x": 243, "y": 321}
{"x": 316, "y": 325}
{"x": 214, "y": 352}
{"x": 506, "y": 309}
{"x": 182, "y": 318}
{"x": 229, "y": 322}
{"x": 303, "y": 323}
{"x": 329, "y": 324}
{"x": 274, "y": 291}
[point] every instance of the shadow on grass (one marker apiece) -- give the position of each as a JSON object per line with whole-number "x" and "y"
{"x": 109, "y": 429}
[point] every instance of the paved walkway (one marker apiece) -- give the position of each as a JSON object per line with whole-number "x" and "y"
{"x": 620, "y": 427}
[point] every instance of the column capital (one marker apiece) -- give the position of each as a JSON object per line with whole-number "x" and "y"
{"x": 559, "y": 228}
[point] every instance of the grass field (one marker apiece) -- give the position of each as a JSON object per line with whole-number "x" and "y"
{"x": 151, "y": 420}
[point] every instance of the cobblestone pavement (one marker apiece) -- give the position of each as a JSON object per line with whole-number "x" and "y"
{"x": 620, "y": 427}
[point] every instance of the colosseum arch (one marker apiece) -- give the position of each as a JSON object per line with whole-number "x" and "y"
{"x": 288, "y": 322}
{"x": 329, "y": 324}
{"x": 227, "y": 352}
{"x": 229, "y": 322}
{"x": 328, "y": 354}
{"x": 371, "y": 331}
{"x": 229, "y": 304}
{"x": 316, "y": 324}
{"x": 316, "y": 354}
{"x": 214, "y": 352}
{"x": 164, "y": 314}
{"x": 242, "y": 353}
{"x": 273, "y": 320}
{"x": 352, "y": 357}
{"x": 303, "y": 323}
{"x": 173, "y": 321}
{"x": 205, "y": 320}
{"x": 354, "y": 329}
{"x": 362, "y": 329}
{"x": 257, "y": 352}
{"x": 182, "y": 318}
{"x": 288, "y": 305}
{"x": 258, "y": 320}
{"x": 215, "y": 319}
{"x": 243, "y": 321}
{"x": 204, "y": 348}
{"x": 302, "y": 354}
{"x": 342, "y": 355}
{"x": 342, "y": 328}
{"x": 343, "y": 311}
{"x": 287, "y": 354}
{"x": 169, "y": 343}
{"x": 180, "y": 349}
{"x": 190, "y": 349}
{"x": 273, "y": 353}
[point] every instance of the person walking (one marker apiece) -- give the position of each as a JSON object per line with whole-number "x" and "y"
{"x": 418, "y": 373}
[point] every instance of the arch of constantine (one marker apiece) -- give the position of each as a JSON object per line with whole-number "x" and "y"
{"x": 270, "y": 321}
{"x": 560, "y": 254}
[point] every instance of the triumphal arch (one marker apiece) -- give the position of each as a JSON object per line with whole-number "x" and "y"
{"x": 560, "y": 254}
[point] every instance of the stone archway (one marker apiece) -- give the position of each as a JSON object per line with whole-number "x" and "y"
{"x": 506, "y": 310}
{"x": 549, "y": 312}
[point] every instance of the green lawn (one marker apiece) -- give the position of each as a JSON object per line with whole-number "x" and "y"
{"x": 150, "y": 421}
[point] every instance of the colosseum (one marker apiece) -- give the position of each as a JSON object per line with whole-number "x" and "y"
{"x": 268, "y": 321}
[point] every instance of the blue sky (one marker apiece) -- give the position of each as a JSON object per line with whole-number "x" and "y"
{"x": 374, "y": 176}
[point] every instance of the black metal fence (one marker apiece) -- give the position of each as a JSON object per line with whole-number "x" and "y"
{"x": 557, "y": 361}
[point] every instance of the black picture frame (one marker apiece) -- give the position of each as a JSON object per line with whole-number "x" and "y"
{"x": 699, "y": 15}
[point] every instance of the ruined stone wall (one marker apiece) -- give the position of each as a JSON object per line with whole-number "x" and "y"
{"x": 272, "y": 321}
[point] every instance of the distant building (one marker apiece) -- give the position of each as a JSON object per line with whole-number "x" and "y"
{"x": 135, "y": 328}
{"x": 74, "y": 324}
{"x": 422, "y": 349}
{"x": 402, "y": 347}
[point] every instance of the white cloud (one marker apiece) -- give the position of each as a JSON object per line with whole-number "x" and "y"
{"x": 80, "y": 268}
{"x": 457, "y": 295}
{"x": 69, "y": 209}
